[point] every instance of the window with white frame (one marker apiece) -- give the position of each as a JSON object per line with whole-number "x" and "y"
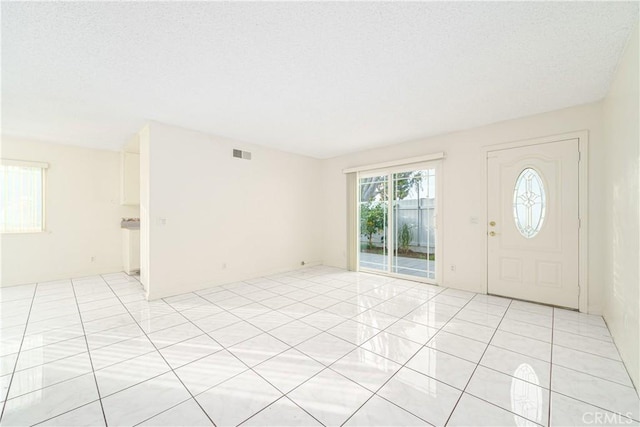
{"x": 22, "y": 196}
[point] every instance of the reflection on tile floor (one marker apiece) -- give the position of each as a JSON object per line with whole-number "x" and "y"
{"x": 318, "y": 346}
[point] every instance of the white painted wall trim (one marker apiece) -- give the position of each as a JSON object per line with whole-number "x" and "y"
{"x": 353, "y": 224}
{"x": 583, "y": 212}
{"x": 392, "y": 163}
{"x": 25, "y": 163}
{"x": 583, "y": 204}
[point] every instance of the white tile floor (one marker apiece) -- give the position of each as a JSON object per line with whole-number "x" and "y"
{"x": 318, "y": 346}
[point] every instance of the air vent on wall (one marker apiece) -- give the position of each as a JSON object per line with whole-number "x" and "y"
{"x": 241, "y": 154}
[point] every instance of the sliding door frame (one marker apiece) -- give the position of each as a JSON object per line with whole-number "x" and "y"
{"x": 390, "y": 234}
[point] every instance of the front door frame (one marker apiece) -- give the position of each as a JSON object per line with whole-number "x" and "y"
{"x": 583, "y": 205}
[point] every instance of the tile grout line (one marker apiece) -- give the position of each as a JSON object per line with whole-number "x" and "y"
{"x": 476, "y": 368}
{"x": 312, "y": 358}
{"x": 65, "y": 412}
{"x": 423, "y": 347}
{"x": 61, "y": 382}
{"x": 325, "y": 367}
{"x": 86, "y": 342}
{"x": 240, "y": 319}
{"x": 344, "y": 286}
{"x": 51, "y": 329}
{"x": 594, "y": 354}
{"x": 72, "y": 355}
{"x": 487, "y": 344}
{"x": 293, "y": 319}
{"x": 285, "y": 397}
{"x": 165, "y": 410}
{"x": 598, "y": 407}
{"x": 328, "y": 367}
{"x": 161, "y": 355}
{"x": 276, "y": 294}
{"x": 403, "y": 365}
{"x": 553, "y": 322}
{"x": 44, "y": 346}
{"x": 520, "y": 353}
{"x": 369, "y": 326}
{"x": 441, "y": 329}
{"x": 62, "y": 328}
{"x": 176, "y": 343}
{"x": 607, "y": 380}
{"x": 559, "y": 345}
{"x": 249, "y": 368}
{"x": 420, "y": 349}
{"x": 15, "y": 365}
{"x": 565, "y": 331}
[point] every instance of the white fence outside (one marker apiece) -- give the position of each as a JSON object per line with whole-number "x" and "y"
{"x": 420, "y": 219}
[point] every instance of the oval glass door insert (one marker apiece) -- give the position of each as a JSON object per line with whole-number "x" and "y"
{"x": 529, "y": 203}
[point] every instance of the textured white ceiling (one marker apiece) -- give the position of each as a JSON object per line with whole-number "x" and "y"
{"x": 319, "y": 79}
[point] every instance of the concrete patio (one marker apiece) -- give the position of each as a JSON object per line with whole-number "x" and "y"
{"x": 402, "y": 265}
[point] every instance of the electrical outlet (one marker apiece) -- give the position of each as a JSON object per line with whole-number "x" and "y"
{"x": 224, "y": 265}
{"x": 453, "y": 268}
{"x": 93, "y": 259}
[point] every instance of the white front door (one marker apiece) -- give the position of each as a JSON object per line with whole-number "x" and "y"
{"x": 533, "y": 223}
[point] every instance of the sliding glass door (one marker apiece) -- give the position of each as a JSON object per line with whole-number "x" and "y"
{"x": 374, "y": 222}
{"x": 397, "y": 215}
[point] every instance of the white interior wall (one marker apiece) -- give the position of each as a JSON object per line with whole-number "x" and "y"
{"x": 82, "y": 219}
{"x": 145, "y": 248}
{"x": 464, "y": 242}
{"x": 622, "y": 209}
{"x": 226, "y": 219}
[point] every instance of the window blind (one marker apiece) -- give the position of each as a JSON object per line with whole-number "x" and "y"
{"x": 22, "y": 196}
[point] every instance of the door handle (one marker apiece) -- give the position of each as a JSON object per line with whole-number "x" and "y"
{"x": 492, "y": 233}
{"x": 492, "y": 223}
